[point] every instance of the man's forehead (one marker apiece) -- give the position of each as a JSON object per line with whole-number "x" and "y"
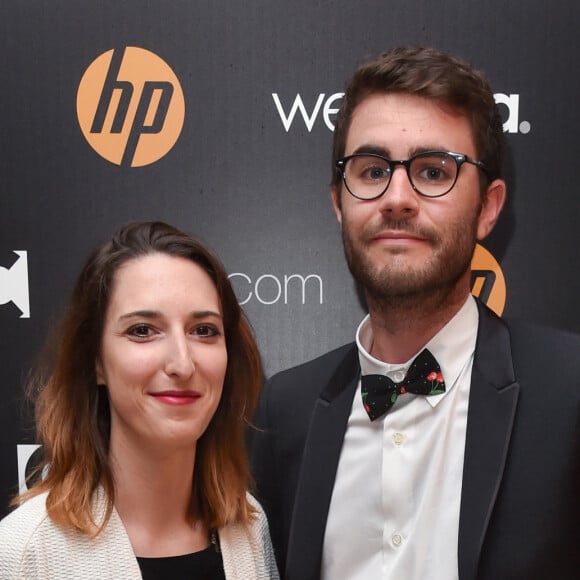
{"x": 390, "y": 120}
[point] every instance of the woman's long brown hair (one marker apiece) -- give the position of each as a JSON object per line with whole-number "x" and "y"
{"x": 72, "y": 411}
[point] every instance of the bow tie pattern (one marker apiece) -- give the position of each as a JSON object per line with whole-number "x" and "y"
{"x": 424, "y": 377}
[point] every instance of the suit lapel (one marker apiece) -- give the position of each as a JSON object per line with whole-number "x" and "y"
{"x": 492, "y": 405}
{"x": 318, "y": 470}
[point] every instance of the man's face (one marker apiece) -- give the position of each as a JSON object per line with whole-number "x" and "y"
{"x": 403, "y": 245}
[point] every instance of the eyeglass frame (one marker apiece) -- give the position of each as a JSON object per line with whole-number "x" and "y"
{"x": 459, "y": 158}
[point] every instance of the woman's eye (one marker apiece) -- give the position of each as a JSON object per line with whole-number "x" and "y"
{"x": 140, "y": 331}
{"x": 206, "y": 330}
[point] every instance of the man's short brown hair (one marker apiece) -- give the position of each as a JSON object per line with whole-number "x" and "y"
{"x": 436, "y": 75}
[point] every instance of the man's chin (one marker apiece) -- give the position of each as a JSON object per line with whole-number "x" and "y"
{"x": 393, "y": 281}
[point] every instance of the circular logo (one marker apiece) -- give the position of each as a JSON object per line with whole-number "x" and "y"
{"x": 487, "y": 280}
{"x": 130, "y": 106}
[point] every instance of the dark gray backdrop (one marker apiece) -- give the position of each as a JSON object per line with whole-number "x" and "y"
{"x": 254, "y": 191}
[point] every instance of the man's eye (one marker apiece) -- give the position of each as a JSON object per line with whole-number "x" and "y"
{"x": 376, "y": 172}
{"x": 433, "y": 169}
{"x": 433, "y": 173}
{"x": 140, "y": 331}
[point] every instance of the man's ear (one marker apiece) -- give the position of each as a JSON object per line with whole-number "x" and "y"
{"x": 491, "y": 208}
{"x": 336, "y": 204}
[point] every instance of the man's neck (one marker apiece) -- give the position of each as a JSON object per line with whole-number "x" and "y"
{"x": 401, "y": 329}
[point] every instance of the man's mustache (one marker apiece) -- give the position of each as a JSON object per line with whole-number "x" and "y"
{"x": 404, "y": 226}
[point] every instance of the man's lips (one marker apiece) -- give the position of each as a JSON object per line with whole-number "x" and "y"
{"x": 398, "y": 237}
{"x": 176, "y": 397}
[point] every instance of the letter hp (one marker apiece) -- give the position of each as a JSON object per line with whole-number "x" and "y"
{"x": 130, "y": 106}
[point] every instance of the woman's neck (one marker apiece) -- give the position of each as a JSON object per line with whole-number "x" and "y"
{"x": 153, "y": 496}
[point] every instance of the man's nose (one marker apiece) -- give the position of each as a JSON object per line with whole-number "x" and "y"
{"x": 400, "y": 197}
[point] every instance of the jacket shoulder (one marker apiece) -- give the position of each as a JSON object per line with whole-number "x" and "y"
{"x": 547, "y": 358}
{"x": 247, "y": 550}
{"x": 18, "y": 531}
{"x": 534, "y": 345}
{"x": 530, "y": 334}
{"x": 33, "y": 546}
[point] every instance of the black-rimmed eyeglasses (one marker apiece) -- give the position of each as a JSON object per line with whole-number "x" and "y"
{"x": 431, "y": 173}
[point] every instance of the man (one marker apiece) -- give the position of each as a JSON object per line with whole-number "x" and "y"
{"x": 471, "y": 471}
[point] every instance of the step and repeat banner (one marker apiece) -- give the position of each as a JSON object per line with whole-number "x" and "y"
{"x": 217, "y": 117}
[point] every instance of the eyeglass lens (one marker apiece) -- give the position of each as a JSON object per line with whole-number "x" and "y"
{"x": 432, "y": 174}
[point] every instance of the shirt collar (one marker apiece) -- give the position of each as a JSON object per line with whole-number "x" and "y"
{"x": 453, "y": 347}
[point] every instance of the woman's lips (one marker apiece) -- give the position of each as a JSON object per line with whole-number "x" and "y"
{"x": 176, "y": 397}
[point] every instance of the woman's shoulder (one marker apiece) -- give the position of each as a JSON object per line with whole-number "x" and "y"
{"x": 25, "y": 519}
{"x": 259, "y": 522}
{"x": 254, "y": 502}
{"x": 247, "y": 549}
{"x": 34, "y": 546}
{"x": 18, "y": 531}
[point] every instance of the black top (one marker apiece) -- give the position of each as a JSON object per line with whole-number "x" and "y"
{"x": 204, "y": 565}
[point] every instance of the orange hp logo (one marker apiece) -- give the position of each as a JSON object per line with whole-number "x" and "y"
{"x": 130, "y": 106}
{"x": 487, "y": 280}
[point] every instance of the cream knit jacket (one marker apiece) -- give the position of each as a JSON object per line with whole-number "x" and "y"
{"x": 33, "y": 547}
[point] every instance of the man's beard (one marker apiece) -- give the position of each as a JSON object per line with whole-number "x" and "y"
{"x": 399, "y": 283}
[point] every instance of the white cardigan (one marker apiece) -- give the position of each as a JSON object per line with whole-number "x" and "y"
{"x": 32, "y": 546}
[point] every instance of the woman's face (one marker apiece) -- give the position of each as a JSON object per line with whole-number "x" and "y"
{"x": 163, "y": 353}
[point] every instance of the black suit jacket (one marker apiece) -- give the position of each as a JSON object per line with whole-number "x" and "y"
{"x": 520, "y": 513}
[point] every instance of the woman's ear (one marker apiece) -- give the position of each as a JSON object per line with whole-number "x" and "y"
{"x": 100, "y": 373}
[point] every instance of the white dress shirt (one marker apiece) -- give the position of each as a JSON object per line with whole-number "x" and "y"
{"x": 394, "y": 512}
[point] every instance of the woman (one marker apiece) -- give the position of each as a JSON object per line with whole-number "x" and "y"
{"x": 142, "y": 423}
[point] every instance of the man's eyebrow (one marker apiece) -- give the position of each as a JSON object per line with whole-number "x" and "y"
{"x": 373, "y": 150}
{"x": 425, "y": 149}
{"x": 377, "y": 150}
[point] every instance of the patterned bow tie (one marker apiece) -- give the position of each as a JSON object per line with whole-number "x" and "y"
{"x": 424, "y": 377}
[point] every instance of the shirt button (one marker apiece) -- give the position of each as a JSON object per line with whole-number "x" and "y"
{"x": 398, "y": 438}
{"x": 398, "y": 376}
{"x": 397, "y": 540}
